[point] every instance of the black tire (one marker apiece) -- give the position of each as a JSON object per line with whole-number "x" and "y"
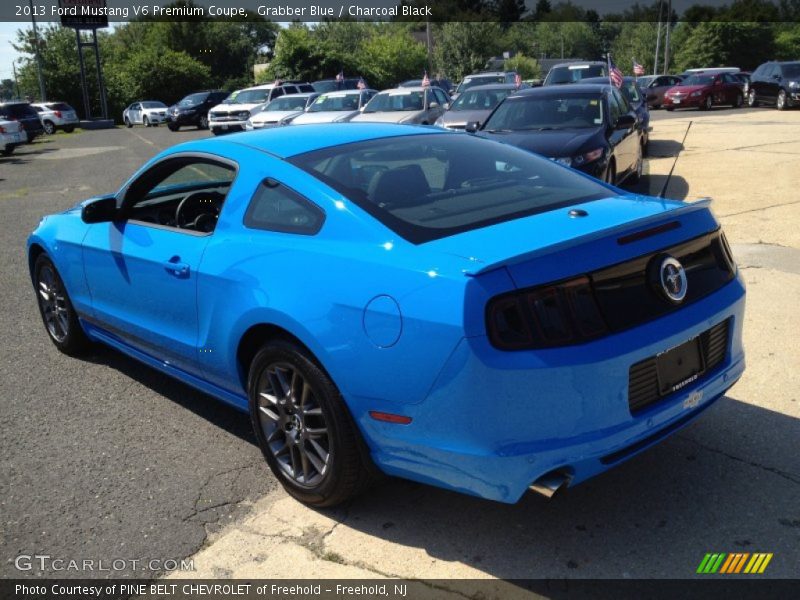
{"x": 738, "y": 101}
{"x": 64, "y": 331}
{"x": 203, "y": 122}
{"x": 8, "y": 150}
{"x": 707, "y": 103}
{"x": 668, "y": 108}
{"x": 145, "y": 121}
{"x": 751, "y": 99}
{"x": 69, "y": 128}
{"x": 173, "y": 127}
{"x": 128, "y": 123}
{"x": 348, "y": 469}
{"x": 610, "y": 175}
{"x": 49, "y": 127}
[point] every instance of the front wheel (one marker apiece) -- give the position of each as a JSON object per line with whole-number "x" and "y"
{"x": 58, "y": 314}
{"x": 203, "y": 123}
{"x": 128, "y": 123}
{"x": 173, "y": 127}
{"x": 146, "y": 122}
{"x": 780, "y": 103}
{"x": 738, "y": 101}
{"x": 707, "y": 103}
{"x": 751, "y": 99}
{"x": 304, "y": 428}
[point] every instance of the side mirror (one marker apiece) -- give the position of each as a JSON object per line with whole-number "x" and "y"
{"x": 433, "y": 105}
{"x": 472, "y": 126}
{"x": 625, "y": 122}
{"x": 102, "y": 210}
{"x": 446, "y": 106}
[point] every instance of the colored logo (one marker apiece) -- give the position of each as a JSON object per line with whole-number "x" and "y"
{"x": 741, "y": 562}
{"x": 673, "y": 279}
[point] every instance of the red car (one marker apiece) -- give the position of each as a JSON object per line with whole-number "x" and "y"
{"x": 705, "y": 91}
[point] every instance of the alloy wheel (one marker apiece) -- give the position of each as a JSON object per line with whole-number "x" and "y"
{"x": 293, "y": 424}
{"x": 49, "y": 128}
{"x": 751, "y": 98}
{"x": 781, "y": 101}
{"x": 709, "y": 102}
{"x": 203, "y": 122}
{"x": 53, "y": 300}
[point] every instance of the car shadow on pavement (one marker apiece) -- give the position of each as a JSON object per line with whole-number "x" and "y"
{"x": 208, "y": 408}
{"x": 652, "y": 185}
{"x": 727, "y": 483}
{"x": 663, "y": 148}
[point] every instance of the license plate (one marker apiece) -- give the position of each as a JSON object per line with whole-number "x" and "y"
{"x": 676, "y": 101}
{"x": 679, "y": 366}
{"x": 225, "y": 127}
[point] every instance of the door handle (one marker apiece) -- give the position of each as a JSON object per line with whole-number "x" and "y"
{"x": 174, "y": 266}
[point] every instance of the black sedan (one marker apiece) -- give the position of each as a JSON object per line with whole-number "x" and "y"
{"x": 591, "y": 128}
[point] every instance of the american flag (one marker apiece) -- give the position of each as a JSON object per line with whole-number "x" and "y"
{"x": 614, "y": 74}
{"x": 277, "y": 82}
{"x": 425, "y": 81}
{"x": 340, "y": 76}
{"x": 518, "y": 80}
{"x": 638, "y": 69}
{"x": 361, "y": 85}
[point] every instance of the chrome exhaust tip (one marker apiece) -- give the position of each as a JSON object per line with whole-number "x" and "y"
{"x": 547, "y": 485}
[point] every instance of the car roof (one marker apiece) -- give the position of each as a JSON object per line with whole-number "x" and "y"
{"x": 337, "y": 93}
{"x": 405, "y": 90}
{"x": 599, "y": 80}
{"x": 577, "y": 64}
{"x": 491, "y": 86}
{"x": 561, "y": 90}
{"x": 285, "y": 142}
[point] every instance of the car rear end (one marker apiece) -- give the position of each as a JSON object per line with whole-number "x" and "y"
{"x": 583, "y": 346}
{"x": 60, "y": 114}
{"x": 23, "y": 113}
{"x": 12, "y": 134}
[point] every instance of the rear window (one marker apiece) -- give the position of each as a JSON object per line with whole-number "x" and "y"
{"x": 574, "y": 73}
{"x": 429, "y": 186}
{"x": 59, "y": 106}
{"x": 18, "y": 111}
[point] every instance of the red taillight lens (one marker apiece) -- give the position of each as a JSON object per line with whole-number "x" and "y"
{"x": 554, "y": 315}
{"x": 58, "y": 114}
{"x": 2, "y": 129}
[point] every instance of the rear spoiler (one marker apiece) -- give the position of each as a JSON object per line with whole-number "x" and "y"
{"x": 688, "y": 207}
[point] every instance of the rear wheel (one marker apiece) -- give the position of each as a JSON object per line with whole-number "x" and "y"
{"x": 304, "y": 428}
{"x": 7, "y": 150}
{"x": 203, "y": 123}
{"x": 59, "y": 316}
{"x": 780, "y": 102}
{"x": 738, "y": 101}
{"x": 69, "y": 128}
{"x": 49, "y": 127}
{"x": 128, "y": 122}
{"x": 611, "y": 173}
{"x": 707, "y": 103}
{"x": 751, "y": 99}
{"x": 636, "y": 176}
{"x": 173, "y": 127}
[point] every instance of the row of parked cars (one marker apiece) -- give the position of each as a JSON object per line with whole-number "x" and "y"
{"x": 22, "y": 122}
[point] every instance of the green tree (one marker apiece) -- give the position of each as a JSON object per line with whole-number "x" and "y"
{"x": 787, "y": 43}
{"x": 568, "y": 39}
{"x": 636, "y": 41}
{"x": 390, "y": 56}
{"x": 722, "y": 44}
{"x": 295, "y": 55}
{"x": 527, "y": 67}
{"x": 463, "y": 48}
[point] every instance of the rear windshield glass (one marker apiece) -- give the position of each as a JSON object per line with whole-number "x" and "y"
{"x": 698, "y": 80}
{"x": 60, "y": 106}
{"x": 572, "y": 74}
{"x": 425, "y": 187}
{"x": 392, "y": 101}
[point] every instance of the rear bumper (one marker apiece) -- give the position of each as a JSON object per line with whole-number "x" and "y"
{"x": 494, "y": 422}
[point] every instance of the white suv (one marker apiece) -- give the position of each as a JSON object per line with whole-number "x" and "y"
{"x": 234, "y": 111}
{"x": 55, "y": 116}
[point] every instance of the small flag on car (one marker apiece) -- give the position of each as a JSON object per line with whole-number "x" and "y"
{"x": 518, "y": 80}
{"x": 425, "y": 81}
{"x": 277, "y": 82}
{"x": 361, "y": 85}
{"x": 638, "y": 69}
{"x": 340, "y": 76}
{"x": 614, "y": 74}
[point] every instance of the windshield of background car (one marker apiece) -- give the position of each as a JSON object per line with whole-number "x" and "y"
{"x": 59, "y": 106}
{"x": 325, "y": 86}
{"x": 698, "y": 80}
{"x": 153, "y": 105}
{"x": 248, "y": 97}
{"x": 645, "y": 81}
{"x": 193, "y": 100}
{"x": 631, "y": 91}
{"x": 335, "y": 103}
{"x": 392, "y": 101}
{"x": 287, "y": 103}
{"x": 791, "y": 71}
{"x": 429, "y": 186}
{"x": 572, "y": 74}
{"x": 551, "y": 112}
{"x": 479, "y": 99}
{"x": 485, "y": 80}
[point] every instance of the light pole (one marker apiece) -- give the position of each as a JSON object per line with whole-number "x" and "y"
{"x": 38, "y": 56}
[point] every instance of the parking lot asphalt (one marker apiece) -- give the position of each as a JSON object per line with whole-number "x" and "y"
{"x": 105, "y": 459}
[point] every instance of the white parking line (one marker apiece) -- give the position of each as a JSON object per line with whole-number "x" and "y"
{"x": 145, "y": 140}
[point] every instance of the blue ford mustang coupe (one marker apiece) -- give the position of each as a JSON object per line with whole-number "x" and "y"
{"x": 405, "y": 300}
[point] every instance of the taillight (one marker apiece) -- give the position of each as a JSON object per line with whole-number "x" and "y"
{"x": 57, "y": 113}
{"x": 2, "y": 129}
{"x": 558, "y": 314}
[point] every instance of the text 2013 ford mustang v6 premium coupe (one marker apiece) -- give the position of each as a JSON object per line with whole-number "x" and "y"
{"x": 406, "y": 300}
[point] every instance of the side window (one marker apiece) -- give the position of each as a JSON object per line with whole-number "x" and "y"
{"x": 185, "y": 193}
{"x": 275, "y": 207}
{"x": 613, "y": 109}
{"x": 276, "y": 93}
{"x": 440, "y": 97}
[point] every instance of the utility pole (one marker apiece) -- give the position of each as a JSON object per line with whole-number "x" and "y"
{"x": 666, "y": 36}
{"x": 430, "y": 48}
{"x": 658, "y": 37}
{"x": 16, "y": 81}
{"x": 38, "y": 56}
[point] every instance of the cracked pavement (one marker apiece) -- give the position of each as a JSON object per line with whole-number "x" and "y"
{"x": 104, "y": 458}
